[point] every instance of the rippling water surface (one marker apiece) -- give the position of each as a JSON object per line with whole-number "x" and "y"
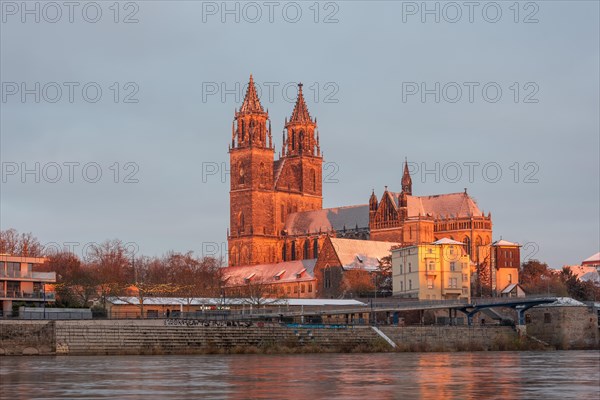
{"x": 572, "y": 374}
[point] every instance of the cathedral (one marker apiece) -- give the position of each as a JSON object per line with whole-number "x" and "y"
{"x": 276, "y": 205}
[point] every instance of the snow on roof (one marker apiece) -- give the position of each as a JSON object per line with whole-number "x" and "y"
{"x": 266, "y": 273}
{"x": 584, "y": 273}
{"x": 503, "y": 242}
{"x": 454, "y": 205}
{"x": 176, "y": 301}
{"x": 361, "y": 254}
{"x": 564, "y": 301}
{"x": 593, "y": 259}
{"x": 510, "y": 288}
{"x": 327, "y": 219}
{"x": 447, "y": 241}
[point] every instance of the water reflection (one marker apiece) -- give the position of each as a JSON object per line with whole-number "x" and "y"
{"x": 504, "y": 375}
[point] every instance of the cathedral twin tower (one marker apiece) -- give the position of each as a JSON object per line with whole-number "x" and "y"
{"x": 264, "y": 191}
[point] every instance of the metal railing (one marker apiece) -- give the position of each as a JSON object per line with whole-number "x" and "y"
{"x": 16, "y": 294}
{"x": 47, "y": 276}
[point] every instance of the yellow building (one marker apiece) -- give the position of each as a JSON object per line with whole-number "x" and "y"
{"x": 19, "y": 283}
{"x": 436, "y": 271}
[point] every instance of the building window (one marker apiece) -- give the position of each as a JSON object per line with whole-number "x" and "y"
{"x": 465, "y": 277}
{"x": 306, "y": 249}
{"x": 509, "y": 278}
{"x": 295, "y": 289}
{"x": 431, "y": 266}
{"x": 289, "y": 290}
{"x": 430, "y": 283}
{"x": 302, "y": 288}
{"x": 315, "y": 248}
{"x": 547, "y": 318}
{"x": 327, "y": 276}
{"x": 410, "y": 284}
{"x": 310, "y": 288}
{"x": 452, "y": 266}
{"x": 452, "y": 283}
{"x": 409, "y": 268}
{"x": 293, "y": 255}
{"x": 402, "y": 286}
{"x": 401, "y": 268}
{"x": 284, "y": 252}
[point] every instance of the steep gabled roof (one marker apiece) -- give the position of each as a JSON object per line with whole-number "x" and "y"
{"x": 327, "y": 219}
{"x": 361, "y": 254}
{"x": 454, "y": 205}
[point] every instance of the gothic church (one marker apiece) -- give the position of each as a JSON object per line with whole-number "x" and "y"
{"x": 276, "y": 206}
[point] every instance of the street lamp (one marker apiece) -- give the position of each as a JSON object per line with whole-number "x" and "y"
{"x": 44, "y": 303}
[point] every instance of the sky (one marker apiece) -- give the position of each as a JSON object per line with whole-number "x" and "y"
{"x": 115, "y": 120}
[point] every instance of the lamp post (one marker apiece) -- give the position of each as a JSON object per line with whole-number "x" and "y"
{"x": 44, "y": 303}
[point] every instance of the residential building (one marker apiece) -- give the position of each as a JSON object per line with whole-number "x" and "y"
{"x": 506, "y": 262}
{"x": 20, "y": 283}
{"x": 440, "y": 270}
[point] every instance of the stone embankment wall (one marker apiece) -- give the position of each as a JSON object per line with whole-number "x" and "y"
{"x": 156, "y": 337}
{"x": 27, "y": 338}
{"x": 453, "y": 338}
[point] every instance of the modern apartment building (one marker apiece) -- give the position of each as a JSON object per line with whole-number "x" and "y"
{"x": 19, "y": 282}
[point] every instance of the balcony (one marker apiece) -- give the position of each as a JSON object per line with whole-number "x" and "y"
{"x": 50, "y": 296}
{"x": 38, "y": 276}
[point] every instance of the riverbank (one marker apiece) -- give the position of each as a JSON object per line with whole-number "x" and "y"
{"x": 138, "y": 337}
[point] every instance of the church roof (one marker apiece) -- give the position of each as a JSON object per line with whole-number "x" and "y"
{"x": 265, "y": 273}
{"x": 454, "y": 205}
{"x": 361, "y": 254}
{"x": 324, "y": 220}
{"x": 300, "y": 113}
{"x": 251, "y": 101}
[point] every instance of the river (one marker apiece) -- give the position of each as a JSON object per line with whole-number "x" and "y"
{"x": 506, "y": 375}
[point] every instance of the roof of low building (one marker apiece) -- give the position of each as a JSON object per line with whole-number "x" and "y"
{"x": 503, "y": 242}
{"x": 447, "y": 241}
{"x": 289, "y": 271}
{"x": 361, "y": 254}
{"x": 198, "y": 301}
{"x": 594, "y": 258}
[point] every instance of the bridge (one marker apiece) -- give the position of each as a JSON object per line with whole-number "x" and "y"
{"x": 469, "y": 308}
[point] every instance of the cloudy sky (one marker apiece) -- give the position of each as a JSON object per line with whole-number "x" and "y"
{"x": 115, "y": 121}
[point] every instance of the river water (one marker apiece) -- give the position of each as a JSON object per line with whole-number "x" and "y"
{"x": 502, "y": 375}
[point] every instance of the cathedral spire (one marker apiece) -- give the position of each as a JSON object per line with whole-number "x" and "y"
{"x": 251, "y": 129}
{"x": 406, "y": 180}
{"x": 251, "y": 102}
{"x": 300, "y": 138}
{"x": 300, "y": 113}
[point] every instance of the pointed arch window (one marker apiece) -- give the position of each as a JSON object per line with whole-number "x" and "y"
{"x": 284, "y": 252}
{"x": 467, "y": 242}
{"x": 306, "y": 249}
{"x": 315, "y": 248}
{"x": 293, "y": 255}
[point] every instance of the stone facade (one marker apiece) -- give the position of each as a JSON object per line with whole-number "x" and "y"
{"x": 564, "y": 327}
{"x": 276, "y": 211}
